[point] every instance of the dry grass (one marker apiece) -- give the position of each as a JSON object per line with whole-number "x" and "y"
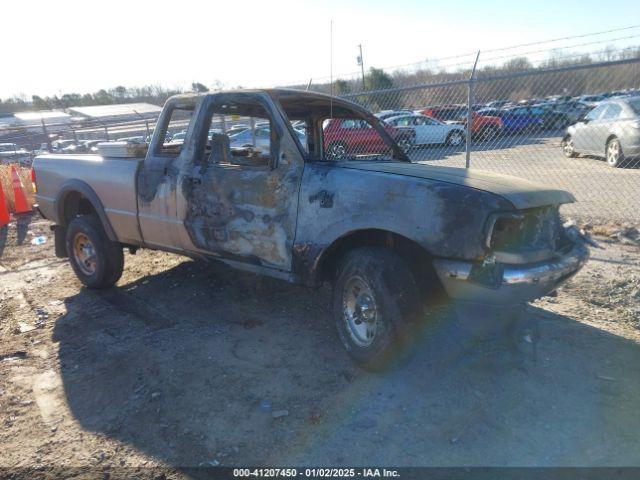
{"x": 7, "y": 185}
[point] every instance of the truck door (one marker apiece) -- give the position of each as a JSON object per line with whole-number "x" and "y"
{"x": 158, "y": 176}
{"x": 240, "y": 201}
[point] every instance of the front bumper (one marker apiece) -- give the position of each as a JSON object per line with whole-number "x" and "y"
{"x": 505, "y": 284}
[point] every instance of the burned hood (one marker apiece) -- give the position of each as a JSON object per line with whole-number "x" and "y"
{"x": 521, "y": 193}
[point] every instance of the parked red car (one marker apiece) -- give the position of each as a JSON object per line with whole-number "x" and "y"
{"x": 353, "y": 136}
{"x": 484, "y": 127}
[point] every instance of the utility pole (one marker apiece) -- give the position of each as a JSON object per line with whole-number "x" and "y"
{"x": 361, "y": 63}
{"x": 470, "y": 102}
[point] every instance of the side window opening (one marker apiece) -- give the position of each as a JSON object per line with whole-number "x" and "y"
{"x": 241, "y": 133}
{"x": 174, "y": 135}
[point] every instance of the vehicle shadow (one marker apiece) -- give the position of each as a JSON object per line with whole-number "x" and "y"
{"x": 178, "y": 364}
{"x": 22, "y": 224}
{"x": 628, "y": 164}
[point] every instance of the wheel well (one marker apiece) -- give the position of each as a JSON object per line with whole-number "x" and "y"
{"x": 75, "y": 204}
{"x": 419, "y": 261}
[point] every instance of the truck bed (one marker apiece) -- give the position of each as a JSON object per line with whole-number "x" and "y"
{"x": 112, "y": 179}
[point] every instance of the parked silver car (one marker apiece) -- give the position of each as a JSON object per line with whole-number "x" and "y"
{"x": 611, "y": 131}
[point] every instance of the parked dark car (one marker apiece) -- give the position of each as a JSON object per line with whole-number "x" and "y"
{"x": 551, "y": 118}
{"x": 573, "y": 110}
{"x": 516, "y": 119}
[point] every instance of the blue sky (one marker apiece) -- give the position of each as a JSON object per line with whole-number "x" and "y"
{"x": 71, "y": 45}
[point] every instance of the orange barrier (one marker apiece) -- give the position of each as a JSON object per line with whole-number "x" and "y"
{"x": 20, "y": 198}
{"x": 4, "y": 211}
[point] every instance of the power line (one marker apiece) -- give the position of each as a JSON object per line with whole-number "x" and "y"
{"x": 561, "y": 39}
{"x": 541, "y": 42}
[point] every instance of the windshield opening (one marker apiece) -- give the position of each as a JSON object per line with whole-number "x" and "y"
{"x": 336, "y": 131}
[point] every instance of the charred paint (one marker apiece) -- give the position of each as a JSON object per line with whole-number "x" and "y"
{"x": 323, "y": 197}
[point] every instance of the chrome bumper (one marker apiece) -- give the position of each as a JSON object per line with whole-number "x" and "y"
{"x": 508, "y": 284}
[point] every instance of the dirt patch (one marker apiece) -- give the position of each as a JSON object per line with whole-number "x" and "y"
{"x": 184, "y": 364}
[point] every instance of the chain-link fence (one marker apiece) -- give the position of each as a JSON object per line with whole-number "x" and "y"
{"x": 536, "y": 124}
{"x": 574, "y": 127}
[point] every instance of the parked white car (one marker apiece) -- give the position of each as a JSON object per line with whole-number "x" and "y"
{"x": 430, "y": 131}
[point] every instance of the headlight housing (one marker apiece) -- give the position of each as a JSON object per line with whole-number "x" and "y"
{"x": 524, "y": 236}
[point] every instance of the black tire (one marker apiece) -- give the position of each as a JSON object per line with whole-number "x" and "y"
{"x": 337, "y": 150}
{"x": 567, "y": 147}
{"x": 489, "y": 133}
{"x": 405, "y": 143}
{"x": 390, "y": 292}
{"x": 452, "y": 138}
{"x": 96, "y": 261}
{"x": 614, "y": 154}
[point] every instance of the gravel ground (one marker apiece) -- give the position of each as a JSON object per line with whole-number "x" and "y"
{"x": 170, "y": 370}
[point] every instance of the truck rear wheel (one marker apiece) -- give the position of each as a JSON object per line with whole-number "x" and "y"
{"x": 375, "y": 300}
{"x": 96, "y": 261}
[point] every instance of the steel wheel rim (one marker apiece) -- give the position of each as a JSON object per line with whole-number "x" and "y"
{"x": 360, "y": 313}
{"x": 85, "y": 254}
{"x": 613, "y": 153}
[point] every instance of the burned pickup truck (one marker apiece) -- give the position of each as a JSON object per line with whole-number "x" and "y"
{"x": 385, "y": 232}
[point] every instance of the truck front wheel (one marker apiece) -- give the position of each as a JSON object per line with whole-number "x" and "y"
{"x": 96, "y": 261}
{"x": 375, "y": 300}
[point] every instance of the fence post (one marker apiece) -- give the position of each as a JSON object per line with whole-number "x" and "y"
{"x": 470, "y": 101}
{"x": 46, "y": 135}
